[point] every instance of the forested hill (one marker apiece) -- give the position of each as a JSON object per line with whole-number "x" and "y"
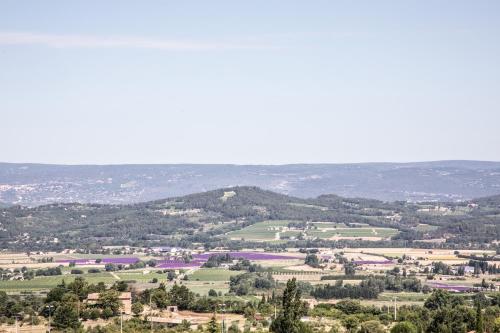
{"x": 208, "y": 217}
{"x": 38, "y": 184}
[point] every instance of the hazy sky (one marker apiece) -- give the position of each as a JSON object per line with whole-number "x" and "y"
{"x": 249, "y": 81}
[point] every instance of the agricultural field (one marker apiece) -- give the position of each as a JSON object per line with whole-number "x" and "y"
{"x": 212, "y": 274}
{"x": 276, "y": 230}
{"x": 261, "y": 231}
{"x": 48, "y": 282}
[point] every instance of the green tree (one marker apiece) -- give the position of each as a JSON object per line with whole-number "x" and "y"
{"x": 109, "y": 300}
{"x": 212, "y": 325}
{"x": 479, "y": 318}
{"x": 439, "y": 298}
{"x": 181, "y": 296}
{"x": 79, "y": 287}
{"x": 160, "y": 298}
{"x": 312, "y": 260}
{"x": 66, "y": 314}
{"x": 371, "y": 326}
{"x": 404, "y": 327}
{"x": 288, "y": 320}
{"x": 137, "y": 308}
{"x": 351, "y": 323}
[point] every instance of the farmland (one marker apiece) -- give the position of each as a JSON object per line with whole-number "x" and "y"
{"x": 242, "y": 246}
{"x": 277, "y": 230}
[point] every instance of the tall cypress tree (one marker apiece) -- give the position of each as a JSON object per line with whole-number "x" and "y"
{"x": 479, "y": 318}
{"x": 288, "y": 320}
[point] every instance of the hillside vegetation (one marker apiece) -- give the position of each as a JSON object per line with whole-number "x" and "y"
{"x": 208, "y": 217}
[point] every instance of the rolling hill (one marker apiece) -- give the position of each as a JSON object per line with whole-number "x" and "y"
{"x": 210, "y": 217}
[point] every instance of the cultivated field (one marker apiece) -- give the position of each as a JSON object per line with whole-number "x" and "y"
{"x": 278, "y": 230}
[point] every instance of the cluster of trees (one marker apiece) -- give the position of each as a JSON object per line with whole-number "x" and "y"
{"x": 482, "y": 267}
{"x": 366, "y": 290}
{"x": 251, "y": 283}
{"x": 215, "y": 260}
{"x": 312, "y": 260}
{"x": 441, "y": 313}
{"x": 246, "y": 265}
{"x": 369, "y": 288}
{"x": 111, "y": 267}
{"x": 441, "y": 268}
{"x": 27, "y": 274}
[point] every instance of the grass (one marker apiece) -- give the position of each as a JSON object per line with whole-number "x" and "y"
{"x": 48, "y": 282}
{"x": 260, "y": 231}
{"x": 425, "y": 227}
{"x": 290, "y": 234}
{"x": 212, "y": 274}
{"x": 266, "y": 231}
{"x": 321, "y": 225}
{"x": 202, "y": 289}
{"x": 140, "y": 277}
{"x": 403, "y": 296}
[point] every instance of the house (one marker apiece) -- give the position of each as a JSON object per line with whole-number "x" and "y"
{"x": 124, "y": 298}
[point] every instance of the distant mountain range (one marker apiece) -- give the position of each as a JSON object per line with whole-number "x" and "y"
{"x": 36, "y": 184}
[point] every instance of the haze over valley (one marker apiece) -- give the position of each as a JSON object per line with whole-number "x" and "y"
{"x": 37, "y": 184}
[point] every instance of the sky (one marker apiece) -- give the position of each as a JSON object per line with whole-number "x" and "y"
{"x": 249, "y": 82}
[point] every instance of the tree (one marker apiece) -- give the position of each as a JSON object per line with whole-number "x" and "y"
{"x": 160, "y": 298}
{"x": 212, "y": 293}
{"x": 349, "y": 269}
{"x": 371, "y": 326}
{"x": 288, "y": 320}
{"x": 312, "y": 260}
{"x": 404, "y": 327}
{"x": 137, "y": 308}
{"x": 351, "y": 323}
{"x": 212, "y": 325}
{"x": 479, "y": 318}
{"x": 438, "y": 299}
{"x": 66, "y": 315}
{"x": 109, "y": 300}
{"x": 121, "y": 286}
{"x": 181, "y": 296}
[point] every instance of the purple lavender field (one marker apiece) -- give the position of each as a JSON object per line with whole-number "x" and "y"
{"x": 246, "y": 255}
{"x": 124, "y": 261}
{"x": 198, "y": 259}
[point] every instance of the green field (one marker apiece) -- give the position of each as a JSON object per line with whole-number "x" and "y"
{"x": 202, "y": 280}
{"x": 288, "y": 234}
{"x": 425, "y": 227}
{"x": 268, "y": 230}
{"x": 48, "y": 282}
{"x": 260, "y": 231}
{"x": 321, "y": 225}
{"x": 212, "y": 274}
{"x": 140, "y": 277}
